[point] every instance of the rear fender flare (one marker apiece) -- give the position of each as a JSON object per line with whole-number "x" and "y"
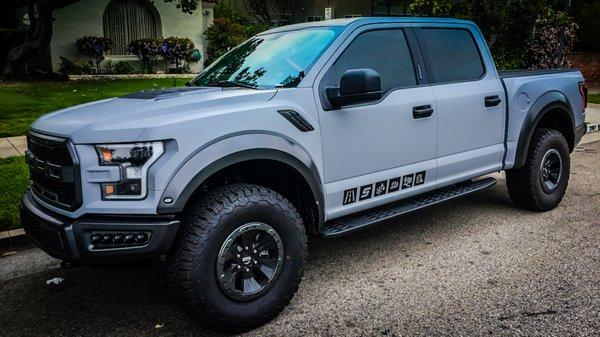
{"x": 549, "y": 101}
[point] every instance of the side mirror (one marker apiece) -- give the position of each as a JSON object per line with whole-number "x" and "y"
{"x": 356, "y": 86}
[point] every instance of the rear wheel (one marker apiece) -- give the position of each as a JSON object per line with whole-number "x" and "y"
{"x": 541, "y": 183}
{"x": 239, "y": 257}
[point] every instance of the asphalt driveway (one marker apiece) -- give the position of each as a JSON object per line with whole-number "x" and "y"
{"x": 470, "y": 267}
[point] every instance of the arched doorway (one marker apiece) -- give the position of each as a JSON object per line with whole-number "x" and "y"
{"x": 128, "y": 20}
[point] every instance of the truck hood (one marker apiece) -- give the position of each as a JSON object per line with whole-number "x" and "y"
{"x": 124, "y": 119}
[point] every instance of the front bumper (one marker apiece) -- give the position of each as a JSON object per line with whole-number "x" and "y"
{"x": 72, "y": 239}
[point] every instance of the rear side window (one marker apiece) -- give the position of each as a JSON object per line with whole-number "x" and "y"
{"x": 386, "y": 52}
{"x": 450, "y": 55}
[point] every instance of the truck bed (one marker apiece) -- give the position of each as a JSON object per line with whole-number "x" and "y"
{"x": 525, "y": 88}
{"x": 533, "y": 72}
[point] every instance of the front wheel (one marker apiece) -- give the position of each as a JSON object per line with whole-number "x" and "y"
{"x": 239, "y": 257}
{"x": 541, "y": 183}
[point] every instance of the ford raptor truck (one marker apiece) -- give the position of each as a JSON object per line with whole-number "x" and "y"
{"x": 322, "y": 128}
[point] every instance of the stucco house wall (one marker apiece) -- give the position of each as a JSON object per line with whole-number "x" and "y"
{"x": 85, "y": 17}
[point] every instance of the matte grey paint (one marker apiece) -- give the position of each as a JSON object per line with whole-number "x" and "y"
{"x": 349, "y": 147}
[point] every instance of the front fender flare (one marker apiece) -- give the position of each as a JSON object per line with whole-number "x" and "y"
{"x": 237, "y": 149}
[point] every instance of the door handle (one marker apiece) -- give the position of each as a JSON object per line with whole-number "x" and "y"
{"x": 491, "y": 101}
{"x": 422, "y": 111}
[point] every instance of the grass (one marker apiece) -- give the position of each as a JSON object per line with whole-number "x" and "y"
{"x": 14, "y": 180}
{"x": 22, "y": 103}
{"x": 594, "y": 98}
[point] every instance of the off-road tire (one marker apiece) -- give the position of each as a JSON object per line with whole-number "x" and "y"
{"x": 191, "y": 264}
{"x": 524, "y": 186}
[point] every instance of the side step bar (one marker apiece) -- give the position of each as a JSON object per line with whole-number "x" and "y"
{"x": 353, "y": 223}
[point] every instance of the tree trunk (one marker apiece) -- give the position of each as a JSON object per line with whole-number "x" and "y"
{"x": 38, "y": 36}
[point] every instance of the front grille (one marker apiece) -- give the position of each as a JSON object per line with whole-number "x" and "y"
{"x": 54, "y": 170}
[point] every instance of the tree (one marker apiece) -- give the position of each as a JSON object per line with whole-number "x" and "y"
{"x": 263, "y": 10}
{"x": 223, "y": 35}
{"x": 431, "y": 7}
{"x": 39, "y": 33}
{"x": 547, "y": 35}
{"x": 229, "y": 29}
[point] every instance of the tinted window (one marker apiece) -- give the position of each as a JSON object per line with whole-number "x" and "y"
{"x": 384, "y": 51}
{"x": 450, "y": 54}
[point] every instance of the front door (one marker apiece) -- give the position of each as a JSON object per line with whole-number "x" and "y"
{"x": 379, "y": 151}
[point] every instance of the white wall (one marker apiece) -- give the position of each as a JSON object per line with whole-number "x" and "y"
{"x": 85, "y": 18}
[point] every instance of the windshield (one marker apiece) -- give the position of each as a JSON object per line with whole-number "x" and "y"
{"x": 278, "y": 60}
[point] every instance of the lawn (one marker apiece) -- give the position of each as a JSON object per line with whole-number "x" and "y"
{"x": 594, "y": 98}
{"x": 14, "y": 179}
{"x": 22, "y": 103}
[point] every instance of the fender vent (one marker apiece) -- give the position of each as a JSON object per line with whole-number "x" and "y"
{"x": 297, "y": 120}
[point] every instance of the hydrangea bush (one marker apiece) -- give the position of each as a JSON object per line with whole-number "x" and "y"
{"x": 176, "y": 50}
{"x": 146, "y": 50}
{"x": 94, "y": 47}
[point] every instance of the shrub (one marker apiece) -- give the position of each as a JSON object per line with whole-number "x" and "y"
{"x": 146, "y": 51}
{"x": 95, "y": 48}
{"x": 543, "y": 51}
{"x": 68, "y": 67}
{"x": 123, "y": 68}
{"x": 177, "y": 49}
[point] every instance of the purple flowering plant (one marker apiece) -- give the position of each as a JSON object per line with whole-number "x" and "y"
{"x": 146, "y": 50}
{"x": 94, "y": 47}
{"x": 175, "y": 50}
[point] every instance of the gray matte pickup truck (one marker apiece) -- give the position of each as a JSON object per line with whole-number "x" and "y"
{"x": 324, "y": 128}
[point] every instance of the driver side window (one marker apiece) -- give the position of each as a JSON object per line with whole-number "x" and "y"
{"x": 386, "y": 52}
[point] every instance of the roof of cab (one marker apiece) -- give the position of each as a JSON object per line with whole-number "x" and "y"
{"x": 366, "y": 20}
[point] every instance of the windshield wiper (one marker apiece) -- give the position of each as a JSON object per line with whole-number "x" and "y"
{"x": 228, "y": 84}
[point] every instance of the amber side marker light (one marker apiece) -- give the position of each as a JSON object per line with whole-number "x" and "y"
{"x": 107, "y": 155}
{"x": 109, "y": 189}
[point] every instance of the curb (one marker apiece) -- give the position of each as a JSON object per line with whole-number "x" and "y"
{"x": 13, "y": 240}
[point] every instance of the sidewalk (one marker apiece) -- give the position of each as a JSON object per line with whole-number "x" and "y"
{"x": 12, "y": 146}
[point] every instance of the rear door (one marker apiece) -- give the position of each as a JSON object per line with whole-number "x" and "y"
{"x": 470, "y": 101}
{"x": 379, "y": 151}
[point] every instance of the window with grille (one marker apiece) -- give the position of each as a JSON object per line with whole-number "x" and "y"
{"x": 129, "y": 20}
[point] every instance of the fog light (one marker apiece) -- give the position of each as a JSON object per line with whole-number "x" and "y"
{"x": 107, "y": 238}
{"x": 129, "y": 238}
{"x": 118, "y": 238}
{"x": 141, "y": 238}
{"x": 96, "y": 239}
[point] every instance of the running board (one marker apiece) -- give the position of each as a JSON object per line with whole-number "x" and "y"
{"x": 353, "y": 223}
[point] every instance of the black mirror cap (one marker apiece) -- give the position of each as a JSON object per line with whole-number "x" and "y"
{"x": 360, "y": 81}
{"x": 356, "y": 86}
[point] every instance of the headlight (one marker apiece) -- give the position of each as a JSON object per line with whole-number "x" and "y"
{"x": 134, "y": 160}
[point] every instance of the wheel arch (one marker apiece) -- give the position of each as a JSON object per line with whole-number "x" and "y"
{"x": 551, "y": 110}
{"x": 270, "y": 152}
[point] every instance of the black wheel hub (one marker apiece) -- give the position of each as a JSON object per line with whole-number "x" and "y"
{"x": 550, "y": 170}
{"x": 249, "y": 261}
